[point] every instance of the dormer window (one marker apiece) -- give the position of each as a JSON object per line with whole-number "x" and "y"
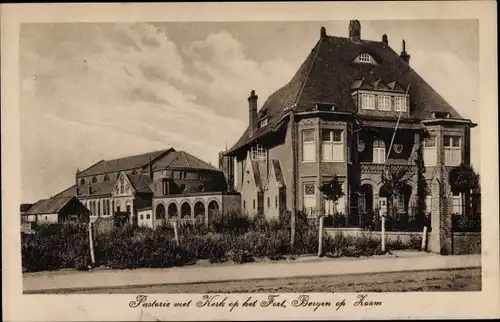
{"x": 400, "y": 104}
{"x": 258, "y": 153}
{"x": 438, "y": 115}
{"x": 322, "y": 106}
{"x": 384, "y": 102}
{"x": 263, "y": 122}
{"x": 368, "y": 101}
{"x": 365, "y": 58}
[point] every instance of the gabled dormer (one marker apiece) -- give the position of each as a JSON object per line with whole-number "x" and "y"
{"x": 123, "y": 186}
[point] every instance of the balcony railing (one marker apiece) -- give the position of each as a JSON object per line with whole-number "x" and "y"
{"x": 379, "y": 168}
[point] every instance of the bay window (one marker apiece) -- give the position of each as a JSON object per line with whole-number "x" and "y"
{"x": 430, "y": 151}
{"x": 309, "y": 197}
{"x": 308, "y": 146}
{"x": 368, "y": 101}
{"x": 452, "y": 150}
{"x": 378, "y": 151}
{"x": 332, "y": 145}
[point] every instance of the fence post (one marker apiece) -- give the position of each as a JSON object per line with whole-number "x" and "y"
{"x": 91, "y": 245}
{"x": 424, "y": 238}
{"x": 320, "y": 236}
{"x": 176, "y": 234}
{"x": 383, "y": 232}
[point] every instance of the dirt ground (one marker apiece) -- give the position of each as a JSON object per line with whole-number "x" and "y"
{"x": 439, "y": 280}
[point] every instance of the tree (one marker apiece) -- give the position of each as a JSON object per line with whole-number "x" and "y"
{"x": 394, "y": 180}
{"x": 463, "y": 179}
{"x": 332, "y": 190}
{"x": 422, "y": 189}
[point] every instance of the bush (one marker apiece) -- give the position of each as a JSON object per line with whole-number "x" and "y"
{"x": 466, "y": 223}
{"x": 233, "y": 222}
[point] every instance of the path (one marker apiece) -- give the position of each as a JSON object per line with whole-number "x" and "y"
{"x": 403, "y": 261}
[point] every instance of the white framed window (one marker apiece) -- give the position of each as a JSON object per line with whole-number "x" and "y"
{"x": 378, "y": 151}
{"x": 430, "y": 151}
{"x": 258, "y": 153}
{"x": 332, "y": 145}
{"x": 365, "y": 58}
{"x": 263, "y": 122}
{"x": 384, "y": 103}
{"x": 452, "y": 150}
{"x": 309, "y": 197}
{"x": 400, "y": 104}
{"x": 368, "y": 101}
{"x": 308, "y": 145}
{"x": 456, "y": 204}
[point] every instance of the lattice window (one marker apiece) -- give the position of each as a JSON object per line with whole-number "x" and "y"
{"x": 368, "y": 101}
{"x": 452, "y": 150}
{"x": 384, "y": 103}
{"x": 258, "y": 153}
{"x": 308, "y": 145}
{"x": 400, "y": 104}
{"x": 332, "y": 145}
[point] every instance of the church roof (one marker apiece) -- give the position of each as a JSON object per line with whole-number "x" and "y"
{"x": 181, "y": 160}
{"x": 329, "y": 74}
{"x": 125, "y": 163}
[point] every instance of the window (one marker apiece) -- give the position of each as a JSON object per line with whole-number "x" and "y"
{"x": 401, "y": 202}
{"x": 258, "y": 153}
{"x": 268, "y": 202}
{"x": 365, "y": 58}
{"x": 263, "y": 122}
{"x": 99, "y": 208}
{"x": 378, "y": 151}
{"x": 122, "y": 186}
{"x": 452, "y": 150}
{"x": 400, "y": 104}
{"x": 142, "y": 217}
{"x": 148, "y": 216}
{"x": 332, "y": 145}
{"x": 118, "y": 209}
{"x": 94, "y": 180}
{"x": 309, "y": 198}
{"x": 112, "y": 207}
{"x": 254, "y": 204}
{"x": 276, "y": 202}
{"x": 368, "y": 101}
{"x": 308, "y": 146}
{"x": 456, "y": 204}
{"x": 128, "y": 209}
{"x": 82, "y": 182}
{"x": 384, "y": 103}
{"x": 134, "y": 172}
{"x": 430, "y": 151}
{"x": 244, "y": 204}
{"x": 106, "y": 177}
{"x": 105, "y": 208}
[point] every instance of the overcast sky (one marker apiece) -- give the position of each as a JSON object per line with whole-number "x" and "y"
{"x": 92, "y": 91}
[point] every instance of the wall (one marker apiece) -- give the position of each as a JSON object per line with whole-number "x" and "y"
{"x": 48, "y": 219}
{"x": 145, "y": 218}
{"x": 466, "y": 243}
{"x": 249, "y": 190}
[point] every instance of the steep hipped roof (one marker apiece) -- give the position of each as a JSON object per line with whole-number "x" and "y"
{"x": 126, "y": 163}
{"x": 48, "y": 206}
{"x": 141, "y": 183}
{"x": 329, "y": 73}
{"x": 181, "y": 160}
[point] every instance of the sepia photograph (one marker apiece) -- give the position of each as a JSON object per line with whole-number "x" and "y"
{"x": 263, "y": 157}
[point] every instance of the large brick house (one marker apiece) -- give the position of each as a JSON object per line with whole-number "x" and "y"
{"x": 161, "y": 185}
{"x": 337, "y": 116}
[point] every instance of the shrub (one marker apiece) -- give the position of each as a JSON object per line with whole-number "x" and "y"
{"x": 232, "y": 222}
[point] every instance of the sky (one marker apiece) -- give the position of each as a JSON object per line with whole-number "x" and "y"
{"x": 92, "y": 91}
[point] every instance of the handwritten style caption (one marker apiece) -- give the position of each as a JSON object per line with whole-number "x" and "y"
{"x": 270, "y": 301}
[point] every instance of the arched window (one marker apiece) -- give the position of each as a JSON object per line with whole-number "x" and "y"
{"x": 213, "y": 209}
{"x": 82, "y": 181}
{"x": 199, "y": 210}
{"x": 172, "y": 210}
{"x": 378, "y": 151}
{"x": 185, "y": 210}
{"x": 94, "y": 180}
{"x": 106, "y": 177}
{"x": 160, "y": 212}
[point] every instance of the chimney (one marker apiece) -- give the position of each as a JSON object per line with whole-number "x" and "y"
{"x": 354, "y": 30}
{"x": 150, "y": 169}
{"x": 404, "y": 55}
{"x": 252, "y": 113}
{"x": 384, "y": 39}
{"x": 322, "y": 32}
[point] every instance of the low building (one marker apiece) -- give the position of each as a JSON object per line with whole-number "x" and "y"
{"x": 56, "y": 211}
